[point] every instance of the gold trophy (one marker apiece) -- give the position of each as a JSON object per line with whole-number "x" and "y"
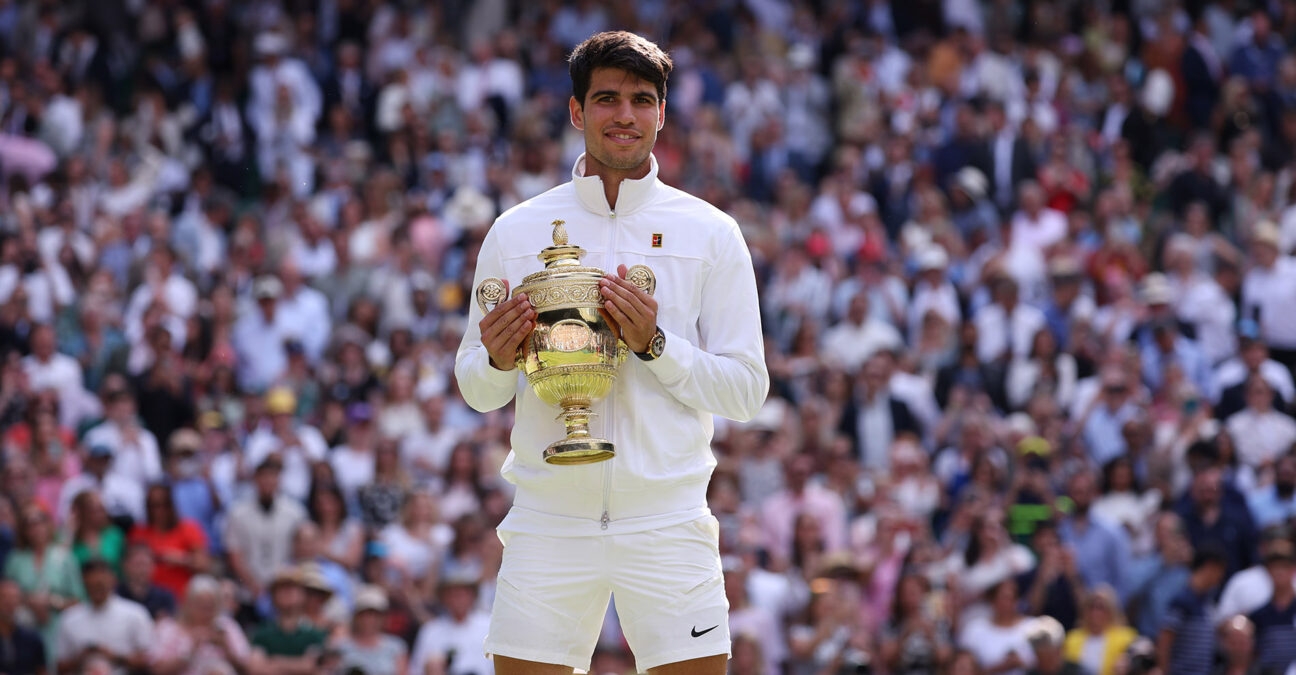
{"x": 571, "y": 357}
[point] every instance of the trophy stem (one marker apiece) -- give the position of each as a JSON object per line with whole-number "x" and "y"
{"x": 578, "y": 447}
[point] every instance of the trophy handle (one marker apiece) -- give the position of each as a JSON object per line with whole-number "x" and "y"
{"x": 642, "y": 278}
{"x": 490, "y": 292}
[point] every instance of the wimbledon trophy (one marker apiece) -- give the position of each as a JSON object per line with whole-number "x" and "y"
{"x": 571, "y": 356}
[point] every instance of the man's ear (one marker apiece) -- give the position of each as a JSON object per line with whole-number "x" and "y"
{"x": 661, "y": 114}
{"x": 577, "y": 112}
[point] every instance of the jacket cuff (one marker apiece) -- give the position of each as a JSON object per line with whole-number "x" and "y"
{"x": 675, "y": 361}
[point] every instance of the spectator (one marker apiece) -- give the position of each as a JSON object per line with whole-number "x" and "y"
{"x": 1098, "y": 546}
{"x": 25, "y": 652}
{"x": 800, "y": 495}
{"x": 135, "y": 450}
{"x": 342, "y": 537}
{"x": 1276, "y": 504}
{"x": 46, "y": 572}
{"x": 914, "y": 640}
{"x": 874, "y": 417}
{"x": 137, "y": 585}
{"x": 201, "y": 640}
{"x": 447, "y": 644}
{"x": 999, "y": 641}
{"x": 193, "y": 490}
{"x": 296, "y": 446}
{"x": 1275, "y": 623}
{"x": 1102, "y": 637}
{"x": 1187, "y": 640}
{"x": 1046, "y": 639}
{"x": 258, "y": 531}
{"x": 1260, "y": 432}
{"x": 1252, "y": 359}
{"x": 106, "y": 626}
{"x": 367, "y": 647}
{"x": 287, "y": 641}
{"x": 93, "y": 534}
{"x": 849, "y": 343}
{"x": 179, "y": 546}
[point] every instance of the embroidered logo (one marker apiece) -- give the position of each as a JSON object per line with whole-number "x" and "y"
{"x": 656, "y": 240}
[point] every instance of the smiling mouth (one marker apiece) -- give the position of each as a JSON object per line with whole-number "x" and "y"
{"x": 622, "y": 137}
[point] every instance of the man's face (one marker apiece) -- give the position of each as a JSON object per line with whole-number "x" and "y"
{"x": 99, "y": 585}
{"x": 621, "y": 115}
{"x": 10, "y": 599}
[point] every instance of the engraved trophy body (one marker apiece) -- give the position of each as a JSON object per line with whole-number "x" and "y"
{"x": 571, "y": 357}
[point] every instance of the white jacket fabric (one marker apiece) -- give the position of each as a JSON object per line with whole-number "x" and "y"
{"x": 659, "y": 415}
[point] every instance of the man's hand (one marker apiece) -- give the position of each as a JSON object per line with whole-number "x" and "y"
{"x": 633, "y": 310}
{"x": 505, "y": 327}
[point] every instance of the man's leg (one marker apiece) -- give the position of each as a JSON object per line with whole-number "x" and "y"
{"x": 509, "y": 666}
{"x": 707, "y": 665}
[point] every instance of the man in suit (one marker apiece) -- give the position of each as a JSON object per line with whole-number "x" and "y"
{"x": 1202, "y": 72}
{"x": 875, "y": 417}
{"x": 1008, "y": 158}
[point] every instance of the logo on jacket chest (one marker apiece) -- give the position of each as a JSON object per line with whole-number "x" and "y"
{"x": 656, "y": 240}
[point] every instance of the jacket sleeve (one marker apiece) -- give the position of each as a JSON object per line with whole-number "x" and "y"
{"x": 483, "y": 386}
{"x": 726, "y": 375}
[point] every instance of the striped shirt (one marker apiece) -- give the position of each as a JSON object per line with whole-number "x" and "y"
{"x": 1275, "y": 637}
{"x": 1189, "y": 618}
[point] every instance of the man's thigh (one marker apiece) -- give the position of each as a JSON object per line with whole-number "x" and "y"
{"x": 509, "y": 666}
{"x": 707, "y": 665}
{"x": 669, "y": 591}
{"x": 550, "y": 599}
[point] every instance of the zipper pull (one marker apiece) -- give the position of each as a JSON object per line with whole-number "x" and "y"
{"x": 604, "y": 520}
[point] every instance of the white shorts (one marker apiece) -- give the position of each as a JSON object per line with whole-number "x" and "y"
{"x": 552, "y": 595}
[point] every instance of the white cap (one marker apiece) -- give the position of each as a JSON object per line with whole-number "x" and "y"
{"x": 932, "y": 257}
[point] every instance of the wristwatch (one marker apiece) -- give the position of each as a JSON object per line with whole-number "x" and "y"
{"x": 656, "y": 346}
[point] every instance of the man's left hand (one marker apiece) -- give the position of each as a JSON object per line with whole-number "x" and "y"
{"x": 632, "y": 309}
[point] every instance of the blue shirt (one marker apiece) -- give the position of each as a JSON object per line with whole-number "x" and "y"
{"x": 1189, "y": 618}
{"x": 1102, "y": 553}
{"x": 1267, "y": 508}
{"x": 1156, "y": 585}
{"x": 1102, "y": 432}
{"x": 1275, "y": 637}
{"x": 1186, "y": 353}
{"x": 193, "y": 500}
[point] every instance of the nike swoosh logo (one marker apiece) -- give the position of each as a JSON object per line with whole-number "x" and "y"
{"x": 700, "y": 633}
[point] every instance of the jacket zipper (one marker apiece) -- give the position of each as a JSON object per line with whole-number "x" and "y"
{"x": 607, "y": 466}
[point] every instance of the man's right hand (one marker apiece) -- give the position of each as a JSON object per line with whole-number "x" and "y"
{"x": 505, "y": 327}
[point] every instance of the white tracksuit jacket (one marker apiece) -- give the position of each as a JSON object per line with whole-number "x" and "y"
{"x": 659, "y": 413}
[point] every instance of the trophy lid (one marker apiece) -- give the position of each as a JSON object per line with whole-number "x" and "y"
{"x": 561, "y": 254}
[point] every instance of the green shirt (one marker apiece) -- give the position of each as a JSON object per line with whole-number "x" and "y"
{"x": 112, "y": 544}
{"x": 275, "y": 641}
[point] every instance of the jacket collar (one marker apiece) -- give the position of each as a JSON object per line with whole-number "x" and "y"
{"x": 633, "y": 195}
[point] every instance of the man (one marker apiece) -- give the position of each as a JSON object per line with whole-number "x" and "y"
{"x": 1275, "y": 622}
{"x": 874, "y": 416}
{"x": 1186, "y": 645}
{"x": 105, "y": 626}
{"x": 289, "y": 643}
{"x": 46, "y": 368}
{"x": 1260, "y": 433}
{"x": 258, "y": 531}
{"x": 299, "y": 446}
{"x": 451, "y": 643}
{"x": 800, "y": 495}
{"x": 1101, "y": 548}
{"x": 135, "y": 449}
{"x": 1268, "y": 291}
{"x": 122, "y": 497}
{"x": 638, "y": 525}
{"x": 22, "y": 651}
{"x": 1252, "y": 588}
{"x": 192, "y": 489}
{"x": 849, "y": 343}
{"x": 137, "y": 583}
{"x": 1276, "y": 504}
{"x": 259, "y": 336}
{"x": 1213, "y": 516}
{"x": 1252, "y": 360}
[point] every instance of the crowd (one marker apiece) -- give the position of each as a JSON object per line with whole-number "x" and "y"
{"x": 1027, "y": 291}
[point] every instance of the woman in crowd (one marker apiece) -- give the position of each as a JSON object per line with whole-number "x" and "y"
{"x": 46, "y": 572}
{"x": 1102, "y": 637}
{"x": 201, "y": 640}
{"x": 999, "y": 641}
{"x": 179, "y": 545}
{"x": 93, "y": 534}
{"x": 368, "y": 648}
{"x": 342, "y": 536}
{"x": 916, "y": 639}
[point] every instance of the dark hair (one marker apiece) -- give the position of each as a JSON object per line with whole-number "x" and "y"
{"x": 621, "y": 50}
{"x": 1209, "y": 553}
{"x": 172, "y": 518}
{"x": 95, "y": 564}
{"x": 325, "y": 488}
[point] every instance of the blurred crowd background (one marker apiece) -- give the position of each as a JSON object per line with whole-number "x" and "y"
{"x": 1026, "y": 286}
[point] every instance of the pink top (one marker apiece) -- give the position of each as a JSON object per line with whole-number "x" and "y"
{"x": 172, "y": 641}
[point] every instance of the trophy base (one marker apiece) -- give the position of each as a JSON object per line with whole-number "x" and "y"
{"x": 571, "y": 451}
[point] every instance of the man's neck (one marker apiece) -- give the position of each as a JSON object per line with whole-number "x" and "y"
{"x": 289, "y": 621}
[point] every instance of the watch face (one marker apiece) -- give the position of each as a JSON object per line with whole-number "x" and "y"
{"x": 657, "y": 345}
